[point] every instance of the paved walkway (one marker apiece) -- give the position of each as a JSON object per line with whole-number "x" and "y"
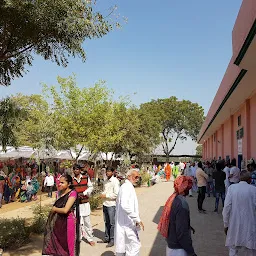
{"x": 208, "y": 240}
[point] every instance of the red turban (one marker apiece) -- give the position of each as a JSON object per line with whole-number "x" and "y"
{"x": 181, "y": 184}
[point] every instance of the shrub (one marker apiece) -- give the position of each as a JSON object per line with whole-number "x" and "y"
{"x": 13, "y": 233}
{"x": 95, "y": 202}
{"x": 145, "y": 177}
{"x": 40, "y": 218}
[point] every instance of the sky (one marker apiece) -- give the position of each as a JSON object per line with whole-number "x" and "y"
{"x": 167, "y": 48}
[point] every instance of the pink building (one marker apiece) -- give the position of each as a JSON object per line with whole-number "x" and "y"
{"x": 229, "y": 130}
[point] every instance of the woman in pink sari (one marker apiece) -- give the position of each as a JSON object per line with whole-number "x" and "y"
{"x": 61, "y": 236}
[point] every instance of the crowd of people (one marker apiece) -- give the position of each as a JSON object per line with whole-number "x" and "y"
{"x": 237, "y": 190}
{"x": 69, "y": 221}
{"x": 19, "y": 184}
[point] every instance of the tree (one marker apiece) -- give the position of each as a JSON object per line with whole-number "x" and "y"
{"x": 178, "y": 120}
{"x": 53, "y": 29}
{"x": 199, "y": 150}
{"x": 142, "y": 133}
{"x": 38, "y": 127}
{"x": 77, "y": 113}
{"x": 10, "y": 115}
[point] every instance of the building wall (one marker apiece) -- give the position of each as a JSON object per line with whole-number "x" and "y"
{"x": 253, "y": 126}
{"x": 240, "y": 112}
{"x": 219, "y": 143}
{"x": 227, "y": 139}
{"x": 223, "y": 142}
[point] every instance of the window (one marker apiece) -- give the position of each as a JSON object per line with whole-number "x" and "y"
{"x": 241, "y": 131}
{"x": 239, "y": 120}
{"x": 237, "y": 135}
{"x": 214, "y": 137}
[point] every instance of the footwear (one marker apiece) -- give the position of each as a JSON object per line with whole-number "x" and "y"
{"x": 105, "y": 241}
{"x": 203, "y": 210}
{"x": 216, "y": 210}
{"x": 110, "y": 244}
{"x": 190, "y": 196}
{"x": 92, "y": 243}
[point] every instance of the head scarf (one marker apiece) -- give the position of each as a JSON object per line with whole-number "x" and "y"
{"x": 181, "y": 184}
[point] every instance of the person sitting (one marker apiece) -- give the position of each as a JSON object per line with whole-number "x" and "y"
{"x": 35, "y": 184}
{"x": 23, "y": 192}
{"x": 29, "y": 191}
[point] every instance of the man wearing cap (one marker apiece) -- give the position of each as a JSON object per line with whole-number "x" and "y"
{"x": 109, "y": 195}
{"x": 83, "y": 186}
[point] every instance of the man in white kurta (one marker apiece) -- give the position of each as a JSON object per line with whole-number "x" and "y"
{"x": 128, "y": 221}
{"x": 239, "y": 217}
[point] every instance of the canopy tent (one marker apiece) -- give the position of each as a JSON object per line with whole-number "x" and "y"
{"x": 65, "y": 155}
{"x": 21, "y": 152}
{"x": 85, "y": 156}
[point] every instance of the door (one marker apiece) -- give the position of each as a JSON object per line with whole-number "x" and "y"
{"x": 240, "y": 159}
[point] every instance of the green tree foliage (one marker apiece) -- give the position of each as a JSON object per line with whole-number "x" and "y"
{"x": 77, "y": 112}
{"x": 142, "y": 133}
{"x": 37, "y": 128}
{"x": 178, "y": 120}
{"x": 10, "y": 115}
{"x": 90, "y": 117}
{"x": 53, "y": 29}
{"x": 199, "y": 150}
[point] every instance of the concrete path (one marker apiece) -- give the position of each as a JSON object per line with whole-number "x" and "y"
{"x": 208, "y": 240}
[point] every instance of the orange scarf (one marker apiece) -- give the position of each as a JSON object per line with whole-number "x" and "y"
{"x": 181, "y": 184}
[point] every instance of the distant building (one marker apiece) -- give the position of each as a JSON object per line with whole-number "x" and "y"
{"x": 230, "y": 126}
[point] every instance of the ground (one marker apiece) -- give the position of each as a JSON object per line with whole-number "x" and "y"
{"x": 208, "y": 240}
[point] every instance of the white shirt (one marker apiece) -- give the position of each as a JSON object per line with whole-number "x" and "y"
{"x": 182, "y": 166}
{"x": 85, "y": 209}
{"x": 49, "y": 181}
{"x": 111, "y": 189}
{"x": 193, "y": 170}
{"x": 236, "y": 174}
{"x": 227, "y": 171}
{"x": 239, "y": 215}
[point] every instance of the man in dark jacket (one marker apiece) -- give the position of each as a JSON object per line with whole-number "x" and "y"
{"x": 174, "y": 224}
{"x": 219, "y": 179}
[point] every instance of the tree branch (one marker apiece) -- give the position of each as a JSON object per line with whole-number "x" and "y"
{"x": 79, "y": 152}
{"x": 5, "y": 57}
{"x": 175, "y": 142}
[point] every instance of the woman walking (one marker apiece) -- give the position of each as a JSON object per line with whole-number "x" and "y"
{"x": 61, "y": 236}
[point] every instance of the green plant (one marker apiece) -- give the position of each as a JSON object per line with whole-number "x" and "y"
{"x": 13, "y": 233}
{"x": 145, "y": 177}
{"x": 95, "y": 202}
{"x": 40, "y": 217}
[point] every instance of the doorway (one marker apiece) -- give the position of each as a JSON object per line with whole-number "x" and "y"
{"x": 239, "y": 161}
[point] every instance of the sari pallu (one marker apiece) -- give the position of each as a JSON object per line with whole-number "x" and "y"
{"x": 62, "y": 230}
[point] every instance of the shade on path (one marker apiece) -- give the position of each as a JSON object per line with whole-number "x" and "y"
{"x": 208, "y": 240}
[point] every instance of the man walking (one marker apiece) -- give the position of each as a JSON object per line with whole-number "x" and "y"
{"x": 227, "y": 173}
{"x": 109, "y": 195}
{"x": 210, "y": 186}
{"x": 219, "y": 177}
{"x": 49, "y": 183}
{"x": 84, "y": 188}
{"x": 174, "y": 223}
{"x": 201, "y": 177}
{"x": 128, "y": 221}
{"x": 239, "y": 217}
{"x": 193, "y": 169}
